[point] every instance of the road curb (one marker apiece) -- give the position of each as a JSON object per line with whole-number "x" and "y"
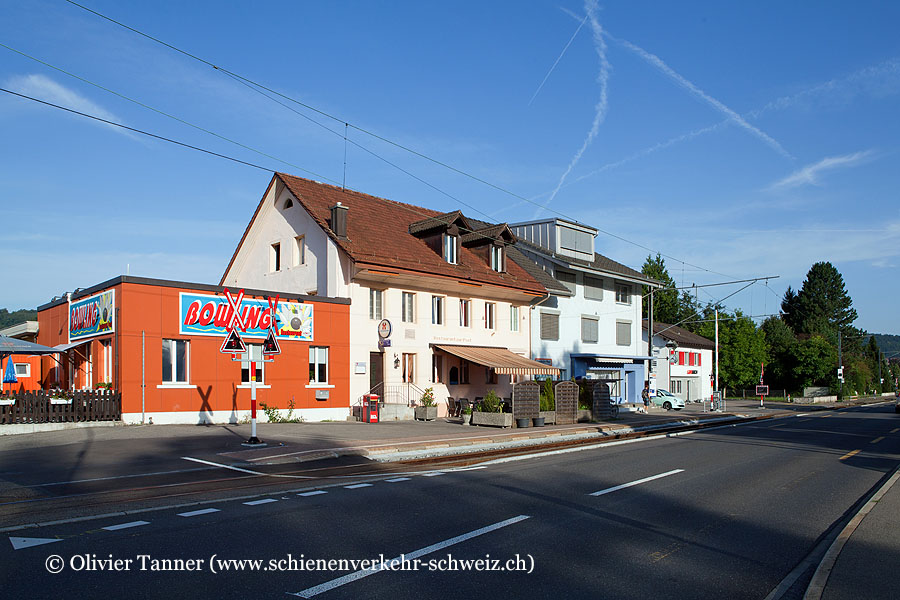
{"x": 820, "y": 578}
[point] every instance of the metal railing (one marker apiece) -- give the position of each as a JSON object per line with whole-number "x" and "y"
{"x": 408, "y": 394}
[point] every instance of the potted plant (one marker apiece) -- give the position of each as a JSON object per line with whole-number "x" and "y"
{"x": 428, "y": 410}
{"x": 547, "y": 405}
{"x": 466, "y": 415}
{"x": 489, "y": 412}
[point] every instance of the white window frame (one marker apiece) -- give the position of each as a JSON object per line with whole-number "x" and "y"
{"x": 26, "y": 372}
{"x": 465, "y": 312}
{"x": 408, "y": 367}
{"x": 275, "y": 257}
{"x": 490, "y": 315}
{"x": 376, "y": 304}
{"x": 173, "y": 357}
{"x": 437, "y": 310}
{"x": 408, "y": 307}
{"x": 315, "y": 356}
{"x": 299, "y": 254}
{"x": 450, "y": 245}
{"x": 513, "y": 317}
{"x": 497, "y": 258}
{"x": 620, "y": 288}
{"x": 106, "y": 349}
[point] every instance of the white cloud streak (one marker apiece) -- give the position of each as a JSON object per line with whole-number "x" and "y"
{"x": 558, "y": 58}
{"x": 44, "y": 88}
{"x": 693, "y": 89}
{"x": 809, "y": 175}
{"x": 603, "y": 104}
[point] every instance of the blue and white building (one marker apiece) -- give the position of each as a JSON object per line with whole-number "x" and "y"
{"x": 590, "y": 325}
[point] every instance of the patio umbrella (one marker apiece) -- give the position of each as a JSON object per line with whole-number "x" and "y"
{"x": 10, "y": 345}
{"x": 9, "y": 376}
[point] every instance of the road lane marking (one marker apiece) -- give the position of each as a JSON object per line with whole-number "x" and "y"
{"x": 850, "y": 454}
{"x": 357, "y": 486}
{"x": 19, "y": 542}
{"x": 434, "y": 474}
{"x": 407, "y": 556}
{"x": 263, "y": 501}
{"x": 895, "y": 430}
{"x": 197, "y": 513}
{"x": 248, "y": 471}
{"x": 638, "y": 482}
{"x": 313, "y": 493}
{"x": 876, "y": 440}
{"x": 397, "y": 479}
{"x": 126, "y": 525}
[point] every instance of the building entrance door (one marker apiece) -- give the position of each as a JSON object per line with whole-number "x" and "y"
{"x": 376, "y": 369}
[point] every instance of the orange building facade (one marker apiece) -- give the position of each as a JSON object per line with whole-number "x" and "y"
{"x": 158, "y": 342}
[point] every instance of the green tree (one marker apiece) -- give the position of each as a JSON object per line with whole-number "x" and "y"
{"x": 665, "y": 300}
{"x": 822, "y": 306}
{"x": 742, "y": 346}
{"x": 780, "y": 341}
{"x": 814, "y": 362}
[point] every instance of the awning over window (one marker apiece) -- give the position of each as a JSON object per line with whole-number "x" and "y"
{"x": 501, "y": 360}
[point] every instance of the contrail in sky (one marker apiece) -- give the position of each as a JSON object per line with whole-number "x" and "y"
{"x": 683, "y": 82}
{"x": 602, "y": 105}
{"x": 538, "y": 90}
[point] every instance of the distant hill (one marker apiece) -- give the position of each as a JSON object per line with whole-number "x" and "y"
{"x": 887, "y": 343}
{"x": 8, "y": 319}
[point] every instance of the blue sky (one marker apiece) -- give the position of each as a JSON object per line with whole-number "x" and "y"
{"x": 738, "y": 140}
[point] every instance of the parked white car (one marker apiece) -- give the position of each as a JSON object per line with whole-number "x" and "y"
{"x": 667, "y": 400}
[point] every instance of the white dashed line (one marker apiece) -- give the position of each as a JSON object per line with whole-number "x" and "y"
{"x": 197, "y": 513}
{"x": 435, "y": 474}
{"x": 313, "y": 493}
{"x": 397, "y": 479}
{"x": 264, "y": 501}
{"x": 126, "y": 525}
{"x": 357, "y": 486}
{"x": 638, "y": 482}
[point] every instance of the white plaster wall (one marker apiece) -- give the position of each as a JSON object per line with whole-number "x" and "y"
{"x": 665, "y": 371}
{"x": 275, "y": 224}
{"x": 415, "y": 338}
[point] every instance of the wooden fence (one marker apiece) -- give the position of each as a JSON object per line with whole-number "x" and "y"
{"x": 44, "y": 407}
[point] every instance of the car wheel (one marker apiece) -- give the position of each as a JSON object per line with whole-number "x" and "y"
{"x": 667, "y": 405}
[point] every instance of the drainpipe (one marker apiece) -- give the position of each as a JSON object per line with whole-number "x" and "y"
{"x": 530, "y": 321}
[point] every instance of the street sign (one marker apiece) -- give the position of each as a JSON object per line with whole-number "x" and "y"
{"x": 384, "y": 329}
{"x": 762, "y": 390}
{"x": 270, "y": 346}
{"x": 233, "y": 343}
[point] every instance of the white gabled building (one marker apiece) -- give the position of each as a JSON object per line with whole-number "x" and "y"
{"x": 590, "y": 326}
{"x": 456, "y": 308}
{"x": 684, "y": 361}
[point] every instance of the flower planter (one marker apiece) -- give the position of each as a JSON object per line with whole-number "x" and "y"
{"x": 466, "y": 417}
{"x": 538, "y": 421}
{"x": 522, "y": 423}
{"x": 549, "y": 417}
{"x": 492, "y": 419}
{"x": 584, "y": 415}
{"x": 426, "y": 413}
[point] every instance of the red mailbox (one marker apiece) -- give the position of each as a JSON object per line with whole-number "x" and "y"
{"x": 370, "y": 408}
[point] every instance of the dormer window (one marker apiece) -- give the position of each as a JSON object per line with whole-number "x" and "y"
{"x": 451, "y": 247}
{"x": 497, "y": 262}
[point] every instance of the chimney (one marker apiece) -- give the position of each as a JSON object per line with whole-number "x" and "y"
{"x": 339, "y": 220}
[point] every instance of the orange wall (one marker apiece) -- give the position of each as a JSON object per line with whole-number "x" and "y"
{"x": 213, "y": 377}
{"x": 24, "y": 384}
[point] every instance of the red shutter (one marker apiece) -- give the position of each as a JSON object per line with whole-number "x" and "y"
{"x": 698, "y": 358}
{"x": 681, "y": 358}
{"x": 690, "y": 359}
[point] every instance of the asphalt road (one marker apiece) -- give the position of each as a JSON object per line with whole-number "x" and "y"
{"x": 724, "y": 513}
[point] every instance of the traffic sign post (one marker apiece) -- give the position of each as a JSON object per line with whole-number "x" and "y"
{"x": 233, "y": 345}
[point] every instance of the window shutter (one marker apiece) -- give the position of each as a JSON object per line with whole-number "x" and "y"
{"x": 549, "y": 326}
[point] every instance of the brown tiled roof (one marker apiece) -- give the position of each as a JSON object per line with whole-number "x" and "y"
{"x": 487, "y": 232}
{"x": 378, "y": 234}
{"x": 438, "y": 222}
{"x": 681, "y": 335}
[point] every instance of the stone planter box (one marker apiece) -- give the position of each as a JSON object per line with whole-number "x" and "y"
{"x": 492, "y": 419}
{"x": 426, "y": 413}
{"x": 549, "y": 416}
{"x": 584, "y": 415}
{"x": 466, "y": 418}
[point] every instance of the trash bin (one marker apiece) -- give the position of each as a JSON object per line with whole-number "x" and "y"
{"x": 370, "y": 408}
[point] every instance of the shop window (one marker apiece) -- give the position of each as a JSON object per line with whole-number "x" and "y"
{"x": 464, "y": 373}
{"x": 318, "y": 365}
{"x": 175, "y": 361}
{"x": 437, "y": 368}
{"x": 454, "y": 376}
{"x": 375, "y": 302}
{"x": 253, "y": 354}
{"x": 490, "y": 377}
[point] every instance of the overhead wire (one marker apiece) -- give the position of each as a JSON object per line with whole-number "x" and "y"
{"x": 412, "y": 151}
